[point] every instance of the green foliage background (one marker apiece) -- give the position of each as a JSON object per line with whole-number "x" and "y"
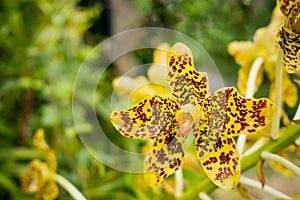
{"x": 42, "y": 44}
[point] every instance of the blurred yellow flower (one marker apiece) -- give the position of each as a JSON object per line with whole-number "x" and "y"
{"x": 139, "y": 87}
{"x": 40, "y": 143}
{"x": 263, "y": 46}
{"x": 40, "y": 177}
{"x": 288, "y": 35}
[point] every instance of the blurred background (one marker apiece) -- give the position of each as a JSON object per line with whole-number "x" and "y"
{"x": 43, "y": 43}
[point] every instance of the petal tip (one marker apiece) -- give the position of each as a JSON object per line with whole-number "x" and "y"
{"x": 180, "y": 49}
{"x": 228, "y": 184}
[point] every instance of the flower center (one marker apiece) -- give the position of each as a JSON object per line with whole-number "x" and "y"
{"x": 187, "y": 117}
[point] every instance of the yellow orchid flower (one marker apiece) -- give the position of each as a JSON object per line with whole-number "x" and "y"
{"x": 214, "y": 121}
{"x": 263, "y": 46}
{"x": 40, "y": 177}
{"x": 140, "y": 87}
{"x": 288, "y": 35}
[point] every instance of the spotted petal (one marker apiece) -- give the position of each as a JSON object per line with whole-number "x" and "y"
{"x": 290, "y": 44}
{"x": 227, "y": 114}
{"x": 288, "y": 35}
{"x": 165, "y": 158}
{"x": 287, "y": 6}
{"x": 241, "y": 115}
{"x": 222, "y": 164}
{"x": 187, "y": 84}
{"x": 147, "y": 119}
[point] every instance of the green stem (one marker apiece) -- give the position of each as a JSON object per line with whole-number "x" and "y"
{"x": 69, "y": 187}
{"x": 8, "y": 184}
{"x": 288, "y": 137}
{"x": 20, "y": 153}
{"x": 278, "y": 89}
{"x": 268, "y": 189}
{"x": 271, "y": 156}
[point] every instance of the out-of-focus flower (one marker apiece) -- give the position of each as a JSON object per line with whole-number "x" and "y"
{"x": 40, "y": 177}
{"x": 40, "y": 143}
{"x": 214, "y": 121}
{"x": 139, "y": 87}
{"x": 288, "y": 35}
{"x": 263, "y": 46}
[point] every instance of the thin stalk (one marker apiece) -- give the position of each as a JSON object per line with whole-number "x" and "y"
{"x": 271, "y": 156}
{"x": 278, "y": 89}
{"x": 268, "y": 189}
{"x": 241, "y": 143}
{"x": 8, "y": 184}
{"x": 69, "y": 187}
{"x": 258, "y": 144}
{"x": 178, "y": 182}
{"x": 252, "y": 77}
{"x": 249, "y": 94}
{"x": 204, "y": 196}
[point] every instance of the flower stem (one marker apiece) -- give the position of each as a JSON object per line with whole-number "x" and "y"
{"x": 204, "y": 196}
{"x": 178, "y": 182}
{"x": 69, "y": 187}
{"x": 258, "y": 144}
{"x": 252, "y": 77}
{"x": 268, "y": 189}
{"x": 278, "y": 89}
{"x": 249, "y": 94}
{"x": 271, "y": 156}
